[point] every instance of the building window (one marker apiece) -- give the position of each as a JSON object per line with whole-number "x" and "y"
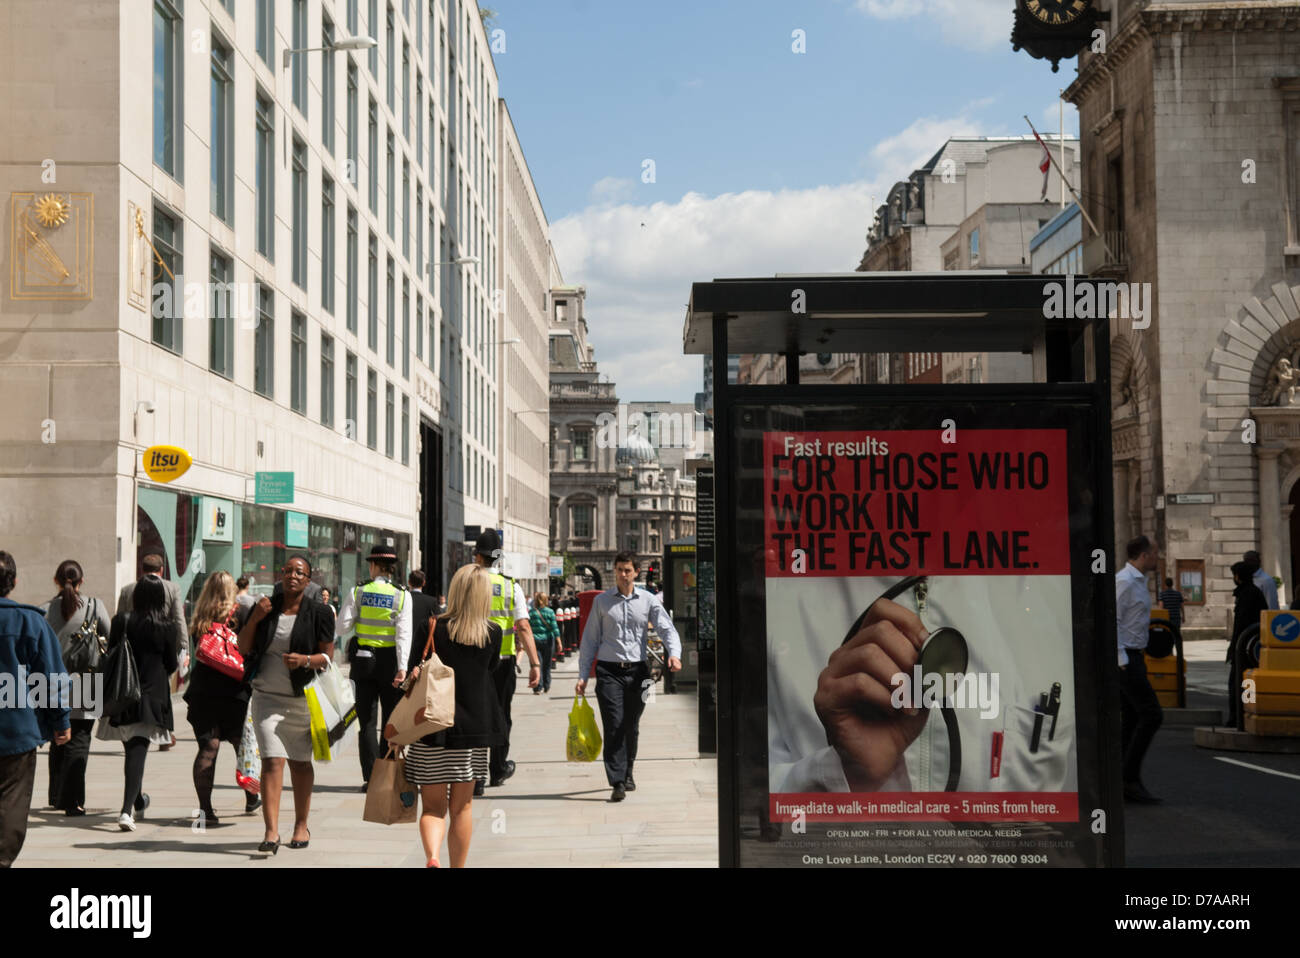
{"x": 419, "y": 327}
{"x": 327, "y": 87}
{"x": 419, "y": 117}
{"x": 372, "y": 305}
{"x": 264, "y": 344}
{"x": 372, "y": 28}
{"x": 298, "y": 363}
{"x": 392, "y": 186}
{"x": 373, "y": 116}
{"x": 221, "y": 323}
{"x": 265, "y": 177}
{"x": 974, "y": 246}
{"x": 326, "y": 381}
{"x": 298, "y": 64}
{"x": 391, "y": 61}
{"x": 372, "y": 409}
{"x": 168, "y": 307}
{"x": 352, "y": 265}
{"x": 406, "y": 430}
{"x": 299, "y": 187}
{"x": 168, "y": 87}
{"x": 406, "y": 89}
{"x": 223, "y": 132}
{"x": 353, "y": 23}
{"x": 406, "y": 327}
{"x": 389, "y": 410}
{"x": 327, "y": 245}
{"x": 418, "y": 213}
{"x": 266, "y": 31}
{"x": 391, "y": 305}
{"x": 350, "y": 396}
{"x": 582, "y": 521}
{"x": 581, "y": 444}
{"x": 406, "y": 209}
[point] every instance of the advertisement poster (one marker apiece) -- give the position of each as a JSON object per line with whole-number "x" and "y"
{"x": 920, "y": 621}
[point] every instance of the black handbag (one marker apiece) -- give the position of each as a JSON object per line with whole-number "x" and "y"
{"x": 121, "y": 677}
{"x": 85, "y": 648}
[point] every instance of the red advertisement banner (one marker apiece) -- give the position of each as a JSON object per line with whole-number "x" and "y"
{"x": 848, "y": 503}
{"x": 925, "y": 806}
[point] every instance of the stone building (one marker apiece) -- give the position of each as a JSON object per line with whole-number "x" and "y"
{"x": 974, "y": 205}
{"x": 251, "y": 262}
{"x": 583, "y": 478}
{"x": 656, "y": 503}
{"x": 1190, "y": 123}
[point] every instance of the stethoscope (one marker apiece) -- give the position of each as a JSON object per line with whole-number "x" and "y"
{"x": 945, "y": 652}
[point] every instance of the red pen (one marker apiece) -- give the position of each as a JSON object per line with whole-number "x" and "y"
{"x": 995, "y": 760}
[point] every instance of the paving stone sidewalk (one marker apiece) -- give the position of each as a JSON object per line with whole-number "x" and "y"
{"x": 551, "y": 813}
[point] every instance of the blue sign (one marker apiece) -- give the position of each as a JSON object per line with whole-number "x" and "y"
{"x": 1285, "y": 628}
{"x": 295, "y": 530}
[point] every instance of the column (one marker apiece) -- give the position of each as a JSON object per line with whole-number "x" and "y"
{"x": 1120, "y": 474}
{"x": 1270, "y": 510}
{"x": 1285, "y": 558}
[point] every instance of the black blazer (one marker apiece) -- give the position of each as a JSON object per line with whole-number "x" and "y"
{"x": 313, "y": 628}
{"x": 422, "y": 606}
{"x": 480, "y": 720}
{"x": 155, "y": 660}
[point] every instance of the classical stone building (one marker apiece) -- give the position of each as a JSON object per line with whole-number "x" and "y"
{"x": 582, "y": 496}
{"x": 1190, "y": 124}
{"x": 656, "y": 503}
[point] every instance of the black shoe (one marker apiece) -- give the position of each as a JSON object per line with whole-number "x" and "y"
{"x": 628, "y": 784}
{"x": 141, "y": 804}
{"x": 478, "y": 788}
{"x": 271, "y": 847}
{"x": 303, "y": 843}
{"x": 1136, "y": 792}
{"x": 252, "y": 803}
{"x": 209, "y": 819}
{"x": 619, "y": 793}
{"x": 74, "y": 812}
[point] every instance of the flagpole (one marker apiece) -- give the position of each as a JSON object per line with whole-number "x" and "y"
{"x": 1060, "y": 103}
{"x": 1082, "y": 208}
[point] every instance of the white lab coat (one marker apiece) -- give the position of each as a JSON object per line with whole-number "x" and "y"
{"x": 1016, "y": 626}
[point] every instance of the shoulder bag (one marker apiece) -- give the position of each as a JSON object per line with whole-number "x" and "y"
{"x": 121, "y": 677}
{"x": 219, "y": 650}
{"x": 429, "y": 702}
{"x": 85, "y": 648}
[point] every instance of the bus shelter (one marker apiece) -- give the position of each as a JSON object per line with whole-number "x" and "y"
{"x": 912, "y": 602}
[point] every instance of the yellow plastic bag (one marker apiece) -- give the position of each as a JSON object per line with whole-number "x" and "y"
{"x": 583, "y": 741}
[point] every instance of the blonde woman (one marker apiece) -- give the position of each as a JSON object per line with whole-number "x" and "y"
{"x": 446, "y": 764}
{"x": 217, "y": 702}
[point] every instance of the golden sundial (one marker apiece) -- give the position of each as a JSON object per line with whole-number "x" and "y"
{"x": 52, "y": 210}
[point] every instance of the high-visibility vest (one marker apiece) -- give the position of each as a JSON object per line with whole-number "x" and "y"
{"x": 378, "y": 605}
{"x": 503, "y": 611}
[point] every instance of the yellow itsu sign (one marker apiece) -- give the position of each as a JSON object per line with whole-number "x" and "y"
{"x": 165, "y": 463}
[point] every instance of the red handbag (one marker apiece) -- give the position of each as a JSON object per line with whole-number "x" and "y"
{"x": 219, "y": 650}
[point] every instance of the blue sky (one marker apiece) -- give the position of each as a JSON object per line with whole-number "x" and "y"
{"x": 765, "y": 160}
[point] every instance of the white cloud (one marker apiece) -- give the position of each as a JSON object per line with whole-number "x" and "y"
{"x": 611, "y": 189}
{"x": 973, "y": 24}
{"x": 638, "y": 261}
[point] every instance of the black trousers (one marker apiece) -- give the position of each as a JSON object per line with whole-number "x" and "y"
{"x": 545, "y": 653}
{"x": 375, "y": 694}
{"x": 503, "y": 677}
{"x": 619, "y": 694}
{"x": 1142, "y": 714}
{"x": 68, "y": 767}
{"x": 17, "y": 779}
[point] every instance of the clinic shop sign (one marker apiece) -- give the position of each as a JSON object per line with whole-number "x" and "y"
{"x": 922, "y": 635}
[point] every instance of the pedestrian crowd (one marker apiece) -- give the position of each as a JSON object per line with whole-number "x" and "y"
{"x": 253, "y": 670}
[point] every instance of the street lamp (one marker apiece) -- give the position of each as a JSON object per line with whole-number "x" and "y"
{"x": 458, "y": 261}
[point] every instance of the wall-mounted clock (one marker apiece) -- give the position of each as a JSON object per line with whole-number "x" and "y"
{"x": 1053, "y": 29}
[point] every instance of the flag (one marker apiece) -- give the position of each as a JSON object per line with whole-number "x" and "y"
{"x": 1045, "y": 166}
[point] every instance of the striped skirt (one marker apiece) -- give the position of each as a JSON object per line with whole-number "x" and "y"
{"x": 428, "y": 765}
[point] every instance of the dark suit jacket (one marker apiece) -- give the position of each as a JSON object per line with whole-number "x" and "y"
{"x": 313, "y": 628}
{"x": 422, "y": 606}
{"x": 480, "y": 719}
{"x": 175, "y": 608}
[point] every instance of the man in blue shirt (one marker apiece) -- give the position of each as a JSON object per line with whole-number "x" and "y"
{"x": 615, "y": 640}
{"x": 1142, "y": 714}
{"x": 28, "y": 646}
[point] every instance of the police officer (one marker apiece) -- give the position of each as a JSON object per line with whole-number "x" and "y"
{"x": 510, "y": 611}
{"x": 380, "y": 649}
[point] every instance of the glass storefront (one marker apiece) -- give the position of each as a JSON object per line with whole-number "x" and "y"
{"x": 197, "y": 535}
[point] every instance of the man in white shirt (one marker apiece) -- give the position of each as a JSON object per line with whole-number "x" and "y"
{"x": 1142, "y": 714}
{"x": 1261, "y": 579}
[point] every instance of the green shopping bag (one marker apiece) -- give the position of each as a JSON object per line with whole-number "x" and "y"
{"x": 583, "y": 741}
